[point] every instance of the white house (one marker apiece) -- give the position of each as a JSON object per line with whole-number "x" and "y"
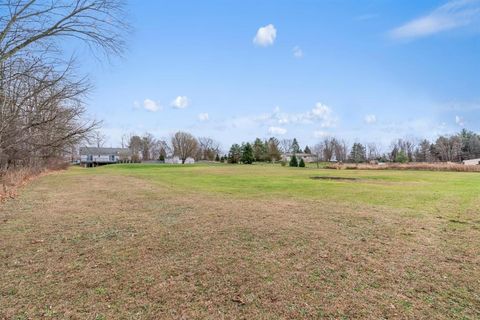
{"x": 307, "y": 157}
{"x": 177, "y": 160}
{"x": 471, "y": 162}
{"x": 92, "y": 156}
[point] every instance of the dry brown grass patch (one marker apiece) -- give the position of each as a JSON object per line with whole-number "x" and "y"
{"x": 95, "y": 247}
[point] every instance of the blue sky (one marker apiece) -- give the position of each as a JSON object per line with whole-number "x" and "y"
{"x": 235, "y": 70}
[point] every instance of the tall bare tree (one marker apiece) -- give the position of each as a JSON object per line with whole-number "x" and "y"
{"x": 184, "y": 145}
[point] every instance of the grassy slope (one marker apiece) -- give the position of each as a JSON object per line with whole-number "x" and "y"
{"x": 148, "y": 242}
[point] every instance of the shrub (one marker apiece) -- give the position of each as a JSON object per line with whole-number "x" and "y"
{"x": 293, "y": 161}
{"x": 283, "y": 163}
{"x": 302, "y": 163}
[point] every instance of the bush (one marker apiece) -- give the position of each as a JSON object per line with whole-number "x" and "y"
{"x": 302, "y": 163}
{"x": 283, "y": 163}
{"x": 293, "y": 161}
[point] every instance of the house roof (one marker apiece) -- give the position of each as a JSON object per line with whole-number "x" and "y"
{"x": 103, "y": 151}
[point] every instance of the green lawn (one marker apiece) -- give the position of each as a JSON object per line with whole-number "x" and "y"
{"x": 418, "y": 192}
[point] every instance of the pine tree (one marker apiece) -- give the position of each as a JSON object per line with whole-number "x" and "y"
{"x": 234, "y": 154}
{"x": 247, "y": 153}
{"x": 293, "y": 161}
{"x": 259, "y": 150}
{"x": 302, "y": 163}
{"x": 296, "y": 146}
{"x": 358, "y": 153}
{"x": 217, "y": 158}
{"x": 307, "y": 150}
{"x": 401, "y": 157}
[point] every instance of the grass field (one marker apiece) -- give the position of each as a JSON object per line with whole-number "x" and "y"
{"x": 235, "y": 241}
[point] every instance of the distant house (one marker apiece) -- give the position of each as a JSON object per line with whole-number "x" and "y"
{"x": 471, "y": 162}
{"x": 92, "y": 156}
{"x": 307, "y": 157}
{"x": 177, "y": 160}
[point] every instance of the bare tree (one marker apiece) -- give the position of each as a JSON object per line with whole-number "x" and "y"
{"x": 318, "y": 151}
{"x": 328, "y": 148}
{"x": 99, "y": 138}
{"x": 373, "y": 151}
{"x": 148, "y": 144}
{"x": 41, "y": 96}
{"x": 286, "y": 145}
{"x": 184, "y": 145}
{"x": 208, "y": 148}
{"x": 30, "y": 25}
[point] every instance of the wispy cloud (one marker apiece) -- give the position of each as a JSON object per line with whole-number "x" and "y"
{"x": 452, "y": 15}
{"x": 203, "y": 116}
{"x": 370, "y": 119}
{"x": 459, "y": 121}
{"x": 277, "y": 130}
{"x": 297, "y": 52}
{"x": 265, "y": 36}
{"x": 320, "y": 115}
{"x": 367, "y": 16}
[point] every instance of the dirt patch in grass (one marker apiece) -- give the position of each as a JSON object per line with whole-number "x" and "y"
{"x": 333, "y": 178}
{"x": 94, "y": 247}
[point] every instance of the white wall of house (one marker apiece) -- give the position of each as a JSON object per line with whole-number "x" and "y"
{"x": 471, "y": 162}
{"x": 99, "y": 158}
{"x": 177, "y": 160}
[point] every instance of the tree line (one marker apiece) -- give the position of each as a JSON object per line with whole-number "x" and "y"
{"x": 455, "y": 148}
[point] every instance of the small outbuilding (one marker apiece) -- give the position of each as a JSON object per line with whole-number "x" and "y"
{"x": 471, "y": 162}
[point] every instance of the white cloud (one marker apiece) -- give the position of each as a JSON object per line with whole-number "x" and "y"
{"x": 180, "y": 102}
{"x": 460, "y": 121}
{"x": 203, "y": 116}
{"x": 297, "y": 52}
{"x": 320, "y": 134}
{"x": 453, "y": 14}
{"x": 321, "y": 114}
{"x": 370, "y": 119}
{"x": 149, "y": 105}
{"x": 277, "y": 130}
{"x": 265, "y": 36}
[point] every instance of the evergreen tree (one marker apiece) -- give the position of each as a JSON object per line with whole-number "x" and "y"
{"x": 273, "y": 150}
{"x": 259, "y": 150}
{"x": 217, "y": 158}
{"x": 401, "y": 157}
{"x": 302, "y": 163}
{"x": 307, "y": 150}
{"x": 234, "y": 154}
{"x": 161, "y": 158}
{"x": 247, "y": 153}
{"x": 293, "y": 161}
{"x": 296, "y": 146}
{"x": 358, "y": 153}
